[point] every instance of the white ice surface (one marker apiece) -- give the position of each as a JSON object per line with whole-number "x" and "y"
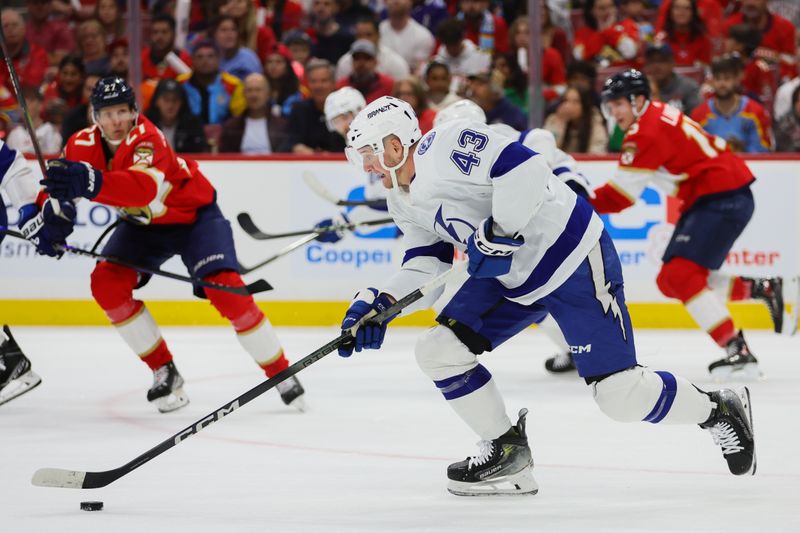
{"x": 370, "y": 454}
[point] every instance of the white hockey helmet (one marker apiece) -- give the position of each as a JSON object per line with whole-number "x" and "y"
{"x": 462, "y": 109}
{"x": 340, "y": 102}
{"x": 381, "y": 118}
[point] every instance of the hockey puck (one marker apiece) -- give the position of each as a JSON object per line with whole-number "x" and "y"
{"x": 91, "y": 506}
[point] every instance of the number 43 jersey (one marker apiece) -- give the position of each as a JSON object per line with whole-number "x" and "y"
{"x": 465, "y": 173}
{"x": 144, "y": 179}
{"x": 677, "y": 155}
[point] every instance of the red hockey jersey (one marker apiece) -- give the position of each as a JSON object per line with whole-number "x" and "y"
{"x": 144, "y": 179}
{"x": 673, "y": 152}
{"x": 591, "y": 43}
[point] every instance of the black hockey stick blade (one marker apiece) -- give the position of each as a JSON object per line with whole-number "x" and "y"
{"x": 79, "y": 479}
{"x": 249, "y": 227}
{"x": 252, "y": 288}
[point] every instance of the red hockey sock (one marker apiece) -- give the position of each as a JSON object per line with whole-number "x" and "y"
{"x": 741, "y": 289}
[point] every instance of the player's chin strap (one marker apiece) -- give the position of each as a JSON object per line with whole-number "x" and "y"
{"x": 393, "y": 170}
{"x": 637, "y": 114}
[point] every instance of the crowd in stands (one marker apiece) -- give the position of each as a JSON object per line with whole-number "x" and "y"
{"x": 252, "y": 76}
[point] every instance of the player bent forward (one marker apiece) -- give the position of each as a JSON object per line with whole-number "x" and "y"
{"x": 180, "y": 217}
{"x": 534, "y": 247}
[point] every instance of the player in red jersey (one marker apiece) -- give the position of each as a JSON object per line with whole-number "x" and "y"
{"x": 167, "y": 207}
{"x": 667, "y": 148}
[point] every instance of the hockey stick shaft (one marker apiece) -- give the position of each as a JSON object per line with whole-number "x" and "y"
{"x": 252, "y": 288}
{"x": 327, "y": 195}
{"x": 249, "y": 227}
{"x": 283, "y": 251}
{"x": 75, "y": 479}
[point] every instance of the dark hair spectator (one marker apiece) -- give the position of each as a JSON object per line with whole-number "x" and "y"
{"x": 235, "y": 59}
{"x": 787, "y": 128}
{"x": 47, "y": 134}
{"x": 679, "y": 91}
{"x": 77, "y": 118}
{"x": 255, "y": 131}
{"x": 284, "y": 84}
{"x": 686, "y": 34}
{"x": 606, "y": 38}
{"x": 50, "y": 33}
{"x": 365, "y": 76}
{"x": 92, "y": 45}
{"x": 486, "y": 90}
{"x": 759, "y": 81}
{"x": 169, "y": 110}
{"x": 308, "y": 131}
{"x": 577, "y": 124}
{"x": 438, "y": 81}
{"x": 259, "y": 39}
{"x": 68, "y": 82}
{"x": 331, "y": 42}
{"x": 109, "y": 14}
{"x": 283, "y": 16}
{"x": 515, "y": 81}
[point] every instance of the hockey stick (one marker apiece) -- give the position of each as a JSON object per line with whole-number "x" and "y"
{"x": 321, "y": 191}
{"x": 77, "y": 479}
{"x": 283, "y": 251}
{"x": 252, "y": 288}
{"x": 249, "y": 227}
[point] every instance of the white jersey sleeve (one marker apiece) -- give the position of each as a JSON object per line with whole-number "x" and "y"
{"x": 16, "y": 177}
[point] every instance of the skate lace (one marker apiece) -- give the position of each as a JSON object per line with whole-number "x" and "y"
{"x": 484, "y": 454}
{"x": 725, "y": 436}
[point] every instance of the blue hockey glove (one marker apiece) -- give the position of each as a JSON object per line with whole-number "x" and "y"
{"x": 46, "y": 229}
{"x": 490, "y": 256}
{"x": 331, "y": 236}
{"x": 369, "y": 335}
{"x": 72, "y": 179}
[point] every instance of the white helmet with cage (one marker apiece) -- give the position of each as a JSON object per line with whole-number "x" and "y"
{"x": 340, "y": 102}
{"x": 462, "y": 109}
{"x": 381, "y": 118}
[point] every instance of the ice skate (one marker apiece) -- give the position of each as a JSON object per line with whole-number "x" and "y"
{"x": 504, "y": 466}
{"x": 560, "y": 363}
{"x": 16, "y": 376}
{"x": 739, "y": 365}
{"x": 292, "y": 393}
{"x": 167, "y": 390}
{"x": 731, "y": 426}
{"x": 770, "y": 291}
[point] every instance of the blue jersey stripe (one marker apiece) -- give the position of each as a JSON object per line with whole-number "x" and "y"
{"x": 510, "y": 158}
{"x": 560, "y": 170}
{"x": 557, "y": 253}
{"x": 664, "y": 402}
{"x": 443, "y": 251}
{"x": 523, "y": 135}
{"x": 463, "y": 384}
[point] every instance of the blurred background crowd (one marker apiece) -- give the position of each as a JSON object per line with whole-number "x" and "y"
{"x": 211, "y": 70}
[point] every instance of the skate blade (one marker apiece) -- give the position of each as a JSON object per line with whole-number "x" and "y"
{"x": 791, "y": 293}
{"x": 520, "y": 484}
{"x": 744, "y": 396}
{"x": 746, "y": 373}
{"x": 171, "y": 402}
{"x": 19, "y": 386}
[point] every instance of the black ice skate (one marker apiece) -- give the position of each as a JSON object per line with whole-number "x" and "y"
{"x": 770, "y": 291}
{"x": 560, "y": 363}
{"x": 16, "y": 376}
{"x": 731, "y": 426}
{"x": 292, "y": 393}
{"x": 504, "y": 466}
{"x": 167, "y": 390}
{"x": 739, "y": 365}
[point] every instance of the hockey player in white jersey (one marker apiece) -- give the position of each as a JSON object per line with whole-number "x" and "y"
{"x": 534, "y": 248}
{"x": 341, "y": 107}
{"x": 563, "y": 166}
{"x": 45, "y": 228}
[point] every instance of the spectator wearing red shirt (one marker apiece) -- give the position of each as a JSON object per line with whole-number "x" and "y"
{"x": 161, "y": 60}
{"x": 759, "y": 82}
{"x": 29, "y": 60}
{"x": 365, "y": 77}
{"x": 710, "y": 12}
{"x": 260, "y": 39}
{"x": 280, "y": 15}
{"x": 777, "y": 35}
{"x": 554, "y": 73}
{"x": 482, "y": 27}
{"x": 685, "y": 33}
{"x": 51, "y": 34}
{"x": 605, "y": 38}
{"x": 68, "y": 83}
